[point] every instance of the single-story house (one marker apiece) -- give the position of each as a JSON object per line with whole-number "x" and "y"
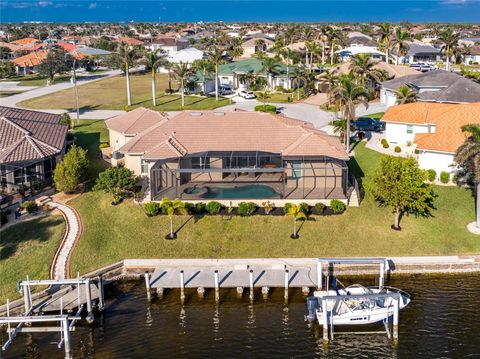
{"x": 251, "y": 47}
{"x": 230, "y": 156}
{"x": 473, "y": 55}
{"x": 233, "y": 75}
{"x": 28, "y": 63}
{"x": 419, "y": 52}
{"x": 434, "y": 128}
{"x": 31, "y": 144}
{"x": 130, "y": 41}
{"x": 347, "y": 53}
{"x": 433, "y": 86}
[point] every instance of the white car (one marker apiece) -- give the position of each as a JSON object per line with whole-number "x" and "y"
{"x": 246, "y": 94}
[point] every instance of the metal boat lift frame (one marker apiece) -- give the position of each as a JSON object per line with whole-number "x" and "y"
{"x": 381, "y": 262}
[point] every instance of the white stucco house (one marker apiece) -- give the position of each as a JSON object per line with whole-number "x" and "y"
{"x": 433, "y": 128}
{"x": 167, "y": 45}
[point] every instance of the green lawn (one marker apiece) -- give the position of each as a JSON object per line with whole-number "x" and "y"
{"x": 113, "y": 233}
{"x": 110, "y": 94}
{"x": 28, "y": 249}
{"x": 37, "y": 80}
{"x": 9, "y": 93}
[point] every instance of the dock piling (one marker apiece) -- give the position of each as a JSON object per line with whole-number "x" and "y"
{"x": 101, "y": 296}
{"x": 201, "y": 292}
{"x": 286, "y": 284}
{"x": 217, "y": 286}
{"x": 66, "y": 338}
{"x": 325, "y": 321}
{"x": 251, "y": 284}
{"x": 265, "y": 291}
{"x": 395, "y": 319}
{"x": 159, "y": 292}
{"x": 240, "y": 291}
{"x": 147, "y": 284}
{"x": 182, "y": 285}
{"x": 89, "y": 302}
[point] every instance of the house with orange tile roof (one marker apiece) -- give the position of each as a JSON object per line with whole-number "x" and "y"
{"x": 27, "y": 41}
{"x": 230, "y": 156}
{"x": 130, "y": 41}
{"x": 28, "y": 63}
{"x": 433, "y": 128}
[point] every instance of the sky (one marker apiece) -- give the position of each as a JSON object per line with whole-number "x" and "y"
{"x": 240, "y": 10}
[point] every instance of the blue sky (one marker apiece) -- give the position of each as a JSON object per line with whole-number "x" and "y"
{"x": 240, "y": 10}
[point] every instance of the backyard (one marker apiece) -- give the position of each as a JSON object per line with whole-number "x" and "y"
{"x": 110, "y": 94}
{"x": 124, "y": 231}
{"x": 28, "y": 249}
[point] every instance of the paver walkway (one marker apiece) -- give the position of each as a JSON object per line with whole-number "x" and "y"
{"x": 60, "y": 266}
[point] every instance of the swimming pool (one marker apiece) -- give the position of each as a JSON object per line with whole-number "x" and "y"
{"x": 252, "y": 191}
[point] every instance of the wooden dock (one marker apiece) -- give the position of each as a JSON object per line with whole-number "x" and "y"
{"x": 67, "y": 298}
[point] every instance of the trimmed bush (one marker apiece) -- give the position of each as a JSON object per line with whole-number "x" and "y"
{"x": 319, "y": 207}
{"x": 385, "y": 145}
{"x": 266, "y": 108}
{"x": 416, "y": 151}
{"x": 384, "y": 141}
{"x": 431, "y": 175}
{"x": 30, "y": 206}
{"x": 246, "y": 208}
{"x": 103, "y": 145}
{"x": 397, "y": 149}
{"x": 151, "y": 208}
{"x": 305, "y": 208}
{"x": 213, "y": 207}
{"x": 286, "y": 207}
{"x": 444, "y": 177}
{"x": 3, "y": 218}
{"x": 198, "y": 208}
{"x": 337, "y": 206}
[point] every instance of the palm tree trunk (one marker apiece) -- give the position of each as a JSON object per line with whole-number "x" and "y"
{"x": 323, "y": 52}
{"x": 347, "y": 135}
{"x": 397, "y": 57}
{"x": 294, "y": 227}
{"x": 169, "y": 81}
{"x": 127, "y": 74}
{"x": 478, "y": 204}
{"x": 311, "y": 60}
{"x": 386, "y": 56}
{"x": 154, "y": 89}
{"x": 448, "y": 63}
{"x": 216, "y": 82}
{"x": 331, "y": 54}
{"x": 171, "y": 227}
{"x": 183, "y": 93}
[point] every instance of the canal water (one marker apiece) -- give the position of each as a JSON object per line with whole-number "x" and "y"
{"x": 442, "y": 321}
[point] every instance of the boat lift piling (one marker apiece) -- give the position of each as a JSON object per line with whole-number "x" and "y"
{"x": 286, "y": 284}
{"x": 147, "y": 284}
{"x": 251, "y": 284}
{"x": 182, "y": 286}
{"x": 217, "y": 286}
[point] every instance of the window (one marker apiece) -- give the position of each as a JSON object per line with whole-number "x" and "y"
{"x": 201, "y": 162}
{"x": 144, "y": 166}
{"x": 409, "y": 129}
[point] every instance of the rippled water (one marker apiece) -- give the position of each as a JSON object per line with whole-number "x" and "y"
{"x": 442, "y": 321}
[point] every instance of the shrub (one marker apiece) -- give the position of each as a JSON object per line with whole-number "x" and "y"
{"x": 319, "y": 207}
{"x": 444, "y": 177}
{"x": 213, "y": 207}
{"x": 115, "y": 180}
{"x": 103, "y": 145}
{"x": 286, "y": 207}
{"x": 337, "y": 206}
{"x": 198, "y": 208}
{"x": 305, "y": 208}
{"x": 266, "y": 108}
{"x": 384, "y": 141}
{"x": 385, "y": 145}
{"x": 151, "y": 208}
{"x": 397, "y": 149}
{"x": 30, "y": 206}
{"x": 268, "y": 207}
{"x": 431, "y": 175}
{"x": 72, "y": 170}
{"x": 70, "y": 136}
{"x": 416, "y": 151}
{"x": 246, "y": 208}
{"x": 409, "y": 143}
{"x": 3, "y": 218}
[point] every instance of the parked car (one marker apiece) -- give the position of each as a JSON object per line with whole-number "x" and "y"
{"x": 225, "y": 90}
{"x": 367, "y": 124}
{"x": 422, "y": 67}
{"x": 246, "y": 94}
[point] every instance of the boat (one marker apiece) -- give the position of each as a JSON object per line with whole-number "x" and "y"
{"x": 346, "y": 306}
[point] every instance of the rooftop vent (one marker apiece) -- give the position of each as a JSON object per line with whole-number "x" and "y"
{"x": 195, "y": 114}
{"x": 219, "y": 113}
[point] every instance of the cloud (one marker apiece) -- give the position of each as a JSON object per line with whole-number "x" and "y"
{"x": 44, "y": 3}
{"x": 93, "y": 5}
{"x": 455, "y": 2}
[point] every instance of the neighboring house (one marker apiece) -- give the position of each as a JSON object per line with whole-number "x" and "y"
{"x": 228, "y": 156}
{"x": 418, "y": 52}
{"x": 27, "y": 41}
{"x": 130, "y": 41}
{"x": 167, "y": 45}
{"x": 250, "y": 46}
{"x": 90, "y": 51}
{"x": 433, "y": 86}
{"x": 31, "y": 144}
{"x": 187, "y": 56}
{"x": 233, "y": 75}
{"x": 473, "y": 56}
{"x": 28, "y": 63}
{"x": 347, "y": 53}
{"x": 434, "y": 128}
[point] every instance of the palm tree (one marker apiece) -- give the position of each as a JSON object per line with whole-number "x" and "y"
{"x": 168, "y": 66}
{"x": 450, "y": 44}
{"x": 468, "y": 155}
{"x": 322, "y": 36}
{"x": 295, "y": 211}
{"x": 215, "y": 55}
{"x": 465, "y": 50}
{"x": 400, "y": 43}
{"x": 260, "y": 45}
{"x": 172, "y": 208}
{"x": 385, "y": 31}
{"x": 129, "y": 55}
{"x": 270, "y": 66}
{"x": 340, "y": 128}
{"x": 333, "y": 34}
{"x": 405, "y": 95}
{"x": 312, "y": 48}
{"x": 288, "y": 55}
{"x": 152, "y": 61}
{"x": 364, "y": 66}
{"x": 263, "y": 96}
{"x": 348, "y": 95}
{"x": 330, "y": 78}
{"x": 298, "y": 78}
{"x": 206, "y": 67}
{"x": 182, "y": 71}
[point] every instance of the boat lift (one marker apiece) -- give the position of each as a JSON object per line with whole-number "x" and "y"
{"x": 330, "y": 262}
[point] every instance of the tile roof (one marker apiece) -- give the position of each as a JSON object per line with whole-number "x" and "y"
{"x": 450, "y": 87}
{"x": 447, "y": 118}
{"x": 25, "y": 41}
{"x": 130, "y": 41}
{"x": 135, "y": 121}
{"x": 195, "y": 132}
{"x": 32, "y": 59}
{"x": 29, "y": 135}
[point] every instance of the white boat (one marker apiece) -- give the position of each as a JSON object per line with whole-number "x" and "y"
{"x": 346, "y": 306}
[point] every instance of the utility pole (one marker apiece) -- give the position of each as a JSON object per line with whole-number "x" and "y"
{"x": 76, "y": 90}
